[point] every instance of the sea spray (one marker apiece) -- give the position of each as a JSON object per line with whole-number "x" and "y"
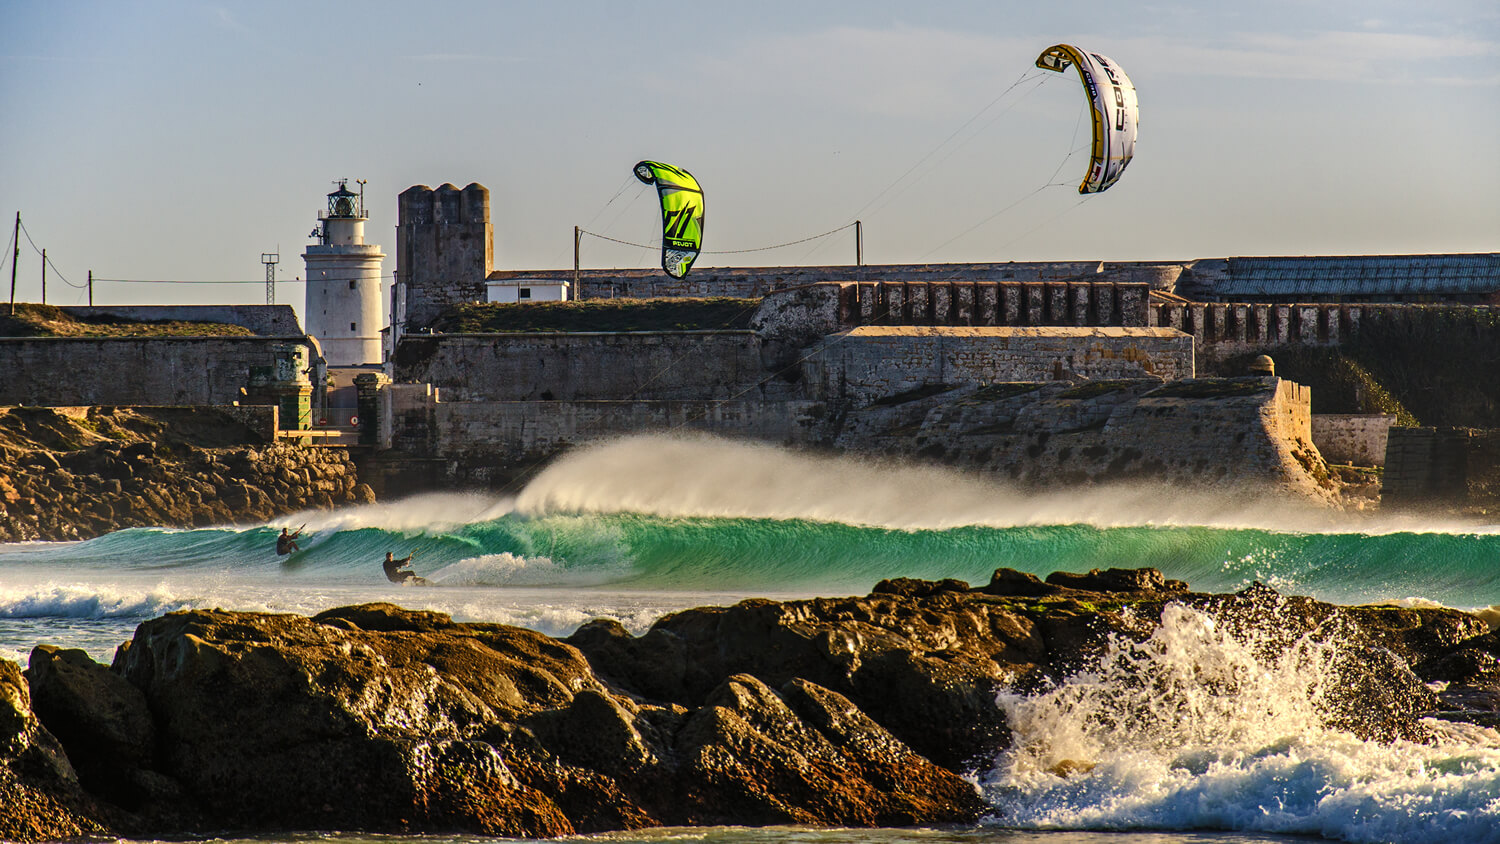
{"x": 693, "y": 475}
{"x": 428, "y": 512}
{"x": 1200, "y": 728}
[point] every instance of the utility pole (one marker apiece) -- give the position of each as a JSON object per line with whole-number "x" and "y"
{"x": 859, "y": 244}
{"x": 271, "y": 259}
{"x": 13, "y": 259}
{"x": 44, "y": 276}
{"x": 91, "y": 288}
{"x": 577, "y": 238}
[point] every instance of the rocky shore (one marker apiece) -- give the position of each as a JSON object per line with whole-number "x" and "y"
{"x": 861, "y": 711}
{"x": 68, "y": 477}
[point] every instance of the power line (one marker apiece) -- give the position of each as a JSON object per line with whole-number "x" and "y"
{"x": 210, "y": 281}
{"x": 49, "y": 261}
{"x": 721, "y": 251}
{"x": 8, "y": 246}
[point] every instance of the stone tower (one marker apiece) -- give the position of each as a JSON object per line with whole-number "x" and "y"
{"x": 343, "y": 283}
{"x": 444, "y": 251}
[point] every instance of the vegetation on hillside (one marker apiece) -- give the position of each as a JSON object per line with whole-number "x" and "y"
{"x": 712, "y": 314}
{"x": 33, "y": 320}
{"x": 1429, "y": 366}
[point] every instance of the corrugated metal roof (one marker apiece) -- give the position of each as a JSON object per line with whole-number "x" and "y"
{"x": 1362, "y": 275}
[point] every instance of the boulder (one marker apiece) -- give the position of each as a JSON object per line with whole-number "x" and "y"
{"x": 40, "y": 796}
{"x": 99, "y": 716}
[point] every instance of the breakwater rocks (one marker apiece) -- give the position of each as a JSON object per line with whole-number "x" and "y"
{"x": 79, "y": 475}
{"x": 850, "y": 711}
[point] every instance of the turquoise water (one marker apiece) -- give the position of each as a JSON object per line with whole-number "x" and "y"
{"x": 638, "y": 529}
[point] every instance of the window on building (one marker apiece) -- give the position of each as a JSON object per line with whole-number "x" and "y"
{"x": 524, "y": 293}
{"x": 351, "y": 326}
{"x": 351, "y": 284}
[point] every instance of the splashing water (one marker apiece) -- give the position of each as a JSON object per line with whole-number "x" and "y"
{"x": 1196, "y": 728}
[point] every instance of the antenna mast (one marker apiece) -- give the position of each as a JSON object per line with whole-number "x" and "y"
{"x": 270, "y": 259}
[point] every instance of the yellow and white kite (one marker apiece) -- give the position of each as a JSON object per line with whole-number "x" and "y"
{"x": 1112, "y": 100}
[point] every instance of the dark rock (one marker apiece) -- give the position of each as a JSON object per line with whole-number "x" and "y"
{"x": 1112, "y": 580}
{"x": 101, "y": 720}
{"x": 1009, "y": 582}
{"x": 749, "y": 758}
{"x": 913, "y": 588}
{"x": 40, "y": 797}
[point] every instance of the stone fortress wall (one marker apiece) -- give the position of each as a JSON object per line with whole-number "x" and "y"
{"x": 754, "y": 282}
{"x": 131, "y": 371}
{"x": 1355, "y": 439}
{"x": 1226, "y": 329}
{"x": 598, "y": 366}
{"x": 867, "y": 364}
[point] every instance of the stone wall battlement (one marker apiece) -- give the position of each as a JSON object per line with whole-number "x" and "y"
{"x": 993, "y": 303}
{"x": 1235, "y": 327}
{"x": 746, "y": 282}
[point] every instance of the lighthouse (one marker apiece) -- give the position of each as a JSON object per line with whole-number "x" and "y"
{"x": 343, "y": 282}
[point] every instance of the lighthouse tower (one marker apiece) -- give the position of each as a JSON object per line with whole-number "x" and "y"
{"x": 343, "y": 282}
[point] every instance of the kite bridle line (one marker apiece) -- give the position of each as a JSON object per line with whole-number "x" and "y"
{"x": 1048, "y": 184}
{"x": 871, "y": 205}
{"x": 623, "y": 186}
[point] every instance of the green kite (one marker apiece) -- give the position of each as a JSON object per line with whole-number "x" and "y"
{"x": 681, "y": 214}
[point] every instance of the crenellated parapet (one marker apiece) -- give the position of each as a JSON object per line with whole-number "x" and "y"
{"x": 1224, "y": 328}
{"x": 444, "y": 250}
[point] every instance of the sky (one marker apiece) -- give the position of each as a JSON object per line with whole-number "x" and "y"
{"x": 181, "y": 140}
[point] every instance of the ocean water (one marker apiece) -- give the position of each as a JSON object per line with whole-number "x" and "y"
{"x": 637, "y": 528}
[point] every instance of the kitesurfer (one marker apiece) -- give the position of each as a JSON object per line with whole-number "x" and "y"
{"x": 286, "y": 543}
{"x": 393, "y": 571}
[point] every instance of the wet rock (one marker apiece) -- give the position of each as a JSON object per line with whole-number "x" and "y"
{"x": 98, "y": 715}
{"x": 1116, "y": 580}
{"x": 851, "y": 711}
{"x": 1011, "y": 582}
{"x": 40, "y": 797}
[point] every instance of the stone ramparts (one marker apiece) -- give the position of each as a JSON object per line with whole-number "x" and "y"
{"x": 866, "y": 363}
{"x": 1355, "y": 439}
{"x": 1005, "y": 303}
{"x": 1243, "y": 433}
{"x": 607, "y": 366}
{"x": 1442, "y": 466}
{"x": 758, "y": 281}
{"x": 147, "y": 371}
{"x": 1224, "y": 329}
{"x": 1238, "y": 433}
{"x": 481, "y": 443}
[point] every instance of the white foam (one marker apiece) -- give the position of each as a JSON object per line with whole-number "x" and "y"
{"x": 90, "y": 601}
{"x": 683, "y": 475}
{"x": 1194, "y": 729}
{"x": 507, "y": 569}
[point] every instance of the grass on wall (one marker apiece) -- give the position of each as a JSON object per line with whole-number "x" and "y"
{"x": 684, "y": 314}
{"x": 34, "y": 320}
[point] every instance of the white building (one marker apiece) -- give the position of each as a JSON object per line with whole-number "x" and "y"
{"x": 343, "y": 283}
{"x": 512, "y": 290}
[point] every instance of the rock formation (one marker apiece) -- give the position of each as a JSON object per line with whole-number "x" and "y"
{"x": 64, "y": 478}
{"x": 861, "y": 711}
